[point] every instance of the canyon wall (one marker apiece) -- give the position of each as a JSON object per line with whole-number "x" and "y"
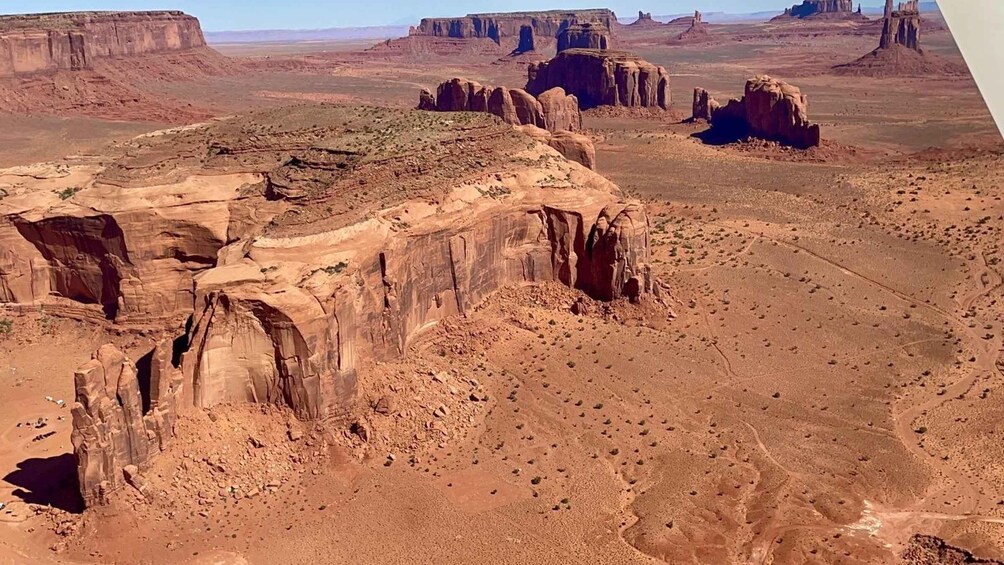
{"x": 293, "y": 279}
{"x": 72, "y": 41}
{"x": 818, "y": 9}
{"x": 498, "y": 26}
{"x": 584, "y": 36}
{"x": 603, "y": 78}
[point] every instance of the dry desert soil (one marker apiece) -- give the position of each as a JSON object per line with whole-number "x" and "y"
{"x": 824, "y": 383}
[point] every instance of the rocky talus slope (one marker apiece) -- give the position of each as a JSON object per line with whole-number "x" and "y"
{"x": 283, "y": 251}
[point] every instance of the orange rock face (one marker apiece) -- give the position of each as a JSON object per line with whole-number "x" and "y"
{"x": 769, "y": 109}
{"x": 499, "y": 26}
{"x": 276, "y": 302}
{"x": 603, "y": 78}
{"x": 72, "y": 41}
{"x": 554, "y": 110}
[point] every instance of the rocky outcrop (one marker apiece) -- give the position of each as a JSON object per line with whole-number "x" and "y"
{"x": 561, "y": 111}
{"x": 770, "y": 109}
{"x": 527, "y": 43}
{"x": 697, "y": 32}
{"x": 603, "y": 78}
{"x": 498, "y": 26}
{"x": 554, "y": 110}
{"x": 573, "y": 146}
{"x": 932, "y": 550}
{"x": 584, "y": 36}
{"x": 73, "y": 41}
{"x": 308, "y": 292}
{"x": 427, "y": 100}
{"x": 644, "y": 20}
{"x": 900, "y": 52}
{"x": 123, "y": 416}
{"x": 901, "y": 26}
{"x": 704, "y": 105}
{"x": 821, "y": 9}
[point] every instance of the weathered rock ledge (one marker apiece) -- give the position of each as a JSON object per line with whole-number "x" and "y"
{"x": 288, "y": 255}
{"x": 602, "y": 78}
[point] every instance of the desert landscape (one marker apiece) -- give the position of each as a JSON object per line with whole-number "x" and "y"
{"x": 544, "y": 287}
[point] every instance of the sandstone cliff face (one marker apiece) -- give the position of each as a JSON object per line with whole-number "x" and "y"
{"x": 122, "y": 418}
{"x": 527, "y": 41}
{"x": 584, "y": 36}
{"x": 573, "y": 146}
{"x": 770, "y": 109}
{"x": 113, "y": 252}
{"x": 901, "y": 26}
{"x": 817, "y": 9}
{"x": 704, "y": 105}
{"x": 603, "y": 78}
{"x": 305, "y": 291}
{"x": 498, "y": 26}
{"x": 554, "y": 110}
{"x": 72, "y": 41}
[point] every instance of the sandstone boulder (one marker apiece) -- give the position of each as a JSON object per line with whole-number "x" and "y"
{"x": 528, "y": 108}
{"x": 603, "y": 78}
{"x": 500, "y": 103}
{"x": 574, "y": 147}
{"x": 427, "y": 100}
{"x": 561, "y": 110}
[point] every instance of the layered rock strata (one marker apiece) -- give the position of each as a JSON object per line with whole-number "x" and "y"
{"x": 527, "y": 41}
{"x": 821, "y": 9}
{"x": 73, "y": 41}
{"x": 123, "y": 417}
{"x": 553, "y": 110}
{"x": 584, "y": 36}
{"x": 603, "y": 78}
{"x": 357, "y": 229}
{"x": 769, "y": 109}
{"x": 499, "y": 26}
{"x": 901, "y": 26}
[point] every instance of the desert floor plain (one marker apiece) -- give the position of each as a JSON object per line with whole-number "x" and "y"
{"x": 819, "y": 380}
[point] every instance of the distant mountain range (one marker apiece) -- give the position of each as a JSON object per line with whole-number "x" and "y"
{"x": 727, "y": 18}
{"x": 304, "y": 35}
{"x": 400, "y": 27}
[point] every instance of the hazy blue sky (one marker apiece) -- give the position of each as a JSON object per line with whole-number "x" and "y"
{"x": 219, "y": 15}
